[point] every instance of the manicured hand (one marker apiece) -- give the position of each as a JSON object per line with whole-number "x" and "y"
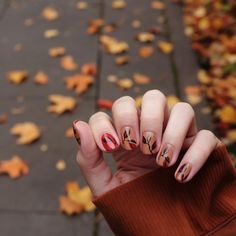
{"x": 141, "y": 141}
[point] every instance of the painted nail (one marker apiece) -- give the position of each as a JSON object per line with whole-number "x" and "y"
{"x": 76, "y": 132}
{"x": 149, "y": 143}
{"x": 128, "y": 138}
{"x": 109, "y": 142}
{"x": 183, "y": 172}
{"x": 165, "y": 155}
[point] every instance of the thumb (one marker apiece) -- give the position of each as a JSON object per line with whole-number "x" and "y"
{"x": 90, "y": 159}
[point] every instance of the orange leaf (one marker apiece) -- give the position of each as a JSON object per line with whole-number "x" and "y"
{"x": 41, "y": 78}
{"x": 3, "y": 118}
{"x": 28, "y": 132}
{"x": 17, "y": 76}
{"x": 14, "y": 167}
{"x": 69, "y": 133}
{"x": 89, "y": 69}
{"x": 69, "y": 207}
{"x": 141, "y": 79}
{"x": 165, "y": 47}
{"x": 56, "y": 52}
{"x": 68, "y": 63}
{"x": 50, "y": 13}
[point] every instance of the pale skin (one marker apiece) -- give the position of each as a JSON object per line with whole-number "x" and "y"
{"x": 175, "y": 129}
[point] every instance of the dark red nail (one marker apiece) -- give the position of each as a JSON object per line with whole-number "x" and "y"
{"x": 109, "y": 142}
{"x": 76, "y": 132}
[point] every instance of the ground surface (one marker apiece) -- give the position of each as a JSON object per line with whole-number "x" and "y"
{"x": 29, "y": 206}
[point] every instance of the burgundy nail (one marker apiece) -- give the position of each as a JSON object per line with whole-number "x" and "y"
{"x": 76, "y": 132}
{"x": 109, "y": 142}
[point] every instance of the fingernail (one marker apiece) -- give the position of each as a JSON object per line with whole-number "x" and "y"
{"x": 165, "y": 155}
{"x": 109, "y": 142}
{"x": 129, "y": 141}
{"x": 76, "y": 132}
{"x": 183, "y": 172}
{"x": 149, "y": 143}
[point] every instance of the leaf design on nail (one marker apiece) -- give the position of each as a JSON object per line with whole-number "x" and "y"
{"x": 154, "y": 145}
{"x": 132, "y": 141}
{"x": 125, "y": 135}
{"x": 144, "y": 140}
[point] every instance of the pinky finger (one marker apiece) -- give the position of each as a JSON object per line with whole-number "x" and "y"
{"x": 203, "y": 145}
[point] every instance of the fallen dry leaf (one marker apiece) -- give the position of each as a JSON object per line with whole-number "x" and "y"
{"x": 56, "y": 52}
{"x": 121, "y": 60}
{"x": 95, "y": 25}
{"x": 89, "y": 69}
{"x": 68, "y": 63}
{"x": 118, "y": 4}
{"x": 51, "y": 33}
{"x": 17, "y": 76}
{"x": 79, "y": 83}
{"x": 171, "y": 101}
{"x": 165, "y": 47}
{"x": 141, "y": 79}
{"x": 145, "y": 51}
{"x": 28, "y": 132}
{"x": 104, "y": 103}
{"x": 3, "y": 118}
{"x": 125, "y": 83}
{"x": 28, "y": 22}
{"x": 61, "y": 165}
{"x": 77, "y": 199}
{"x": 138, "y": 101}
{"x": 18, "y": 47}
{"x": 145, "y": 37}
{"x": 81, "y": 5}
{"x": 112, "y": 45}
{"x": 157, "y": 5}
{"x": 50, "y": 13}
{"x": 136, "y": 24}
{"x": 69, "y": 133}
{"x": 61, "y": 104}
{"x": 231, "y": 135}
{"x": 14, "y": 167}
{"x": 41, "y": 78}
{"x": 227, "y": 114}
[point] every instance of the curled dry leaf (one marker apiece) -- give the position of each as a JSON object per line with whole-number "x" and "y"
{"x": 51, "y": 33}
{"x": 41, "y": 78}
{"x": 145, "y": 37}
{"x": 79, "y": 83}
{"x": 68, "y": 63}
{"x": 157, "y": 5}
{"x": 61, "y": 104}
{"x": 165, "y": 47}
{"x": 77, "y": 199}
{"x": 17, "y": 76}
{"x": 121, "y": 60}
{"x": 28, "y": 132}
{"x": 50, "y": 13}
{"x": 3, "y": 118}
{"x": 56, "y": 52}
{"x": 141, "y": 79}
{"x": 81, "y": 5}
{"x": 89, "y": 69}
{"x": 95, "y": 25}
{"x": 69, "y": 133}
{"x": 104, "y": 103}
{"x": 61, "y": 165}
{"x": 108, "y": 28}
{"x": 118, "y": 4}
{"x": 145, "y": 51}
{"x": 113, "y": 46}
{"x": 125, "y": 83}
{"x": 14, "y": 167}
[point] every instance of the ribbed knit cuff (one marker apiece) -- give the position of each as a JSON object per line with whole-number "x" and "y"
{"x": 156, "y": 204}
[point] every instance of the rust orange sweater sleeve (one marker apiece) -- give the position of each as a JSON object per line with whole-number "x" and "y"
{"x": 156, "y": 204}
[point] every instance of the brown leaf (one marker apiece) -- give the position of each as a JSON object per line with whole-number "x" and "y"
{"x": 50, "y": 13}
{"x": 146, "y": 51}
{"x": 41, "y": 78}
{"x": 145, "y": 37}
{"x": 79, "y": 83}
{"x": 17, "y": 76}
{"x": 28, "y": 132}
{"x": 14, "y": 167}
{"x": 69, "y": 133}
{"x": 141, "y": 79}
{"x": 95, "y": 25}
{"x": 61, "y": 104}
{"x": 3, "y": 118}
{"x": 89, "y": 69}
{"x": 68, "y": 63}
{"x": 227, "y": 114}
{"x": 121, "y": 60}
{"x": 118, "y": 4}
{"x": 165, "y": 47}
{"x": 51, "y": 33}
{"x": 56, "y": 52}
{"x": 157, "y": 5}
{"x": 125, "y": 83}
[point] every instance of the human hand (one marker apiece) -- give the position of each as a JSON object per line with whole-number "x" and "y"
{"x": 141, "y": 141}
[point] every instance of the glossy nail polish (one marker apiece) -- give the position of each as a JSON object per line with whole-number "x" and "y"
{"x": 149, "y": 143}
{"x": 129, "y": 141}
{"x": 109, "y": 142}
{"x": 165, "y": 155}
{"x": 76, "y": 132}
{"x": 183, "y": 172}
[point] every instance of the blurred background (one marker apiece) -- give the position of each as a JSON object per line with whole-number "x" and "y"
{"x": 64, "y": 60}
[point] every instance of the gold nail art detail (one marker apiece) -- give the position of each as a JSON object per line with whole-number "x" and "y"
{"x": 128, "y": 138}
{"x": 149, "y": 143}
{"x": 183, "y": 172}
{"x": 165, "y": 155}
